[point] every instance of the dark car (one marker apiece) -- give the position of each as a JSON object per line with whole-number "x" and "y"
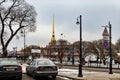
{"x": 42, "y": 67}
{"x": 10, "y": 68}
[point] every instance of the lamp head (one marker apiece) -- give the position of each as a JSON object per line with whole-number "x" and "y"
{"x": 77, "y": 21}
{"x": 21, "y": 32}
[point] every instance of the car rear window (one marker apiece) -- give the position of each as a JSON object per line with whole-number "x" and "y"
{"x": 8, "y": 62}
{"x": 45, "y": 62}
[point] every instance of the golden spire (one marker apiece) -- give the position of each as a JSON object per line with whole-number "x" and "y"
{"x": 53, "y": 40}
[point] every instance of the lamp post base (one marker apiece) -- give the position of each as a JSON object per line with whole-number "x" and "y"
{"x": 80, "y": 71}
{"x": 110, "y": 72}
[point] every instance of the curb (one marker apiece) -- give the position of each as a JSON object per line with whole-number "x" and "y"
{"x": 93, "y": 76}
{"x": 71, "y": 77}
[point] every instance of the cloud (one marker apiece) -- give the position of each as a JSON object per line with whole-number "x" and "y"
{"x": 95, "y": 14}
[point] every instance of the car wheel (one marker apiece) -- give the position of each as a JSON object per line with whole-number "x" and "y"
{"x": 27, "y": 73}
{"x": 54, "y": 76}
{"x": 34, "y": 76}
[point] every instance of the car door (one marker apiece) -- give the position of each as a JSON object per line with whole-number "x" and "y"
{"x": 32, "y": 66}
{"x": 29, "y": 68}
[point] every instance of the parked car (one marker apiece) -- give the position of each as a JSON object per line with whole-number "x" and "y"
{"x": 10, "y": 68}
{"x": 42, "y": 67}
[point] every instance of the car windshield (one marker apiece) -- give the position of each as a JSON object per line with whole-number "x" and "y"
{"x": 45, "y": 62}
{"x": 8, "y": 62}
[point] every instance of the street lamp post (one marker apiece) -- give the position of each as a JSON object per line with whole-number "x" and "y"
{"x": 110, "y": 53}
{"x": 23, "y": 32}
{"x": 80, "y": 48}
{"x": 110, "y": 49}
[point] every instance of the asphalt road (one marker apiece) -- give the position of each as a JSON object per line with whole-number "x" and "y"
{"x": 27, "y": 77}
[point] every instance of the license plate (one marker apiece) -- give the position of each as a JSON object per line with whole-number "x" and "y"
{"x": 48, "y": 69}
{"x": 10, "y": 69}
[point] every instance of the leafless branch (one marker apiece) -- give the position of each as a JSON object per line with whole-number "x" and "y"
{"x": 2, "y": 1}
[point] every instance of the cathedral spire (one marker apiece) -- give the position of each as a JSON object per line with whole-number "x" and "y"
{"x": 53, "y": 40}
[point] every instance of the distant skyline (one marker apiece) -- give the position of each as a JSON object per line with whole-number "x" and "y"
{"x": 95, "y": 14}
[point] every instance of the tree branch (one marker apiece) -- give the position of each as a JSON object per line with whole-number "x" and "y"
{"x": 11, "y": 37}
{"x": 10, "y": 9}
{"x": 2, "y": 30}
{"x": 2, "y": 2}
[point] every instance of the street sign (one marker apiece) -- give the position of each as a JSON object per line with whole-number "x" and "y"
{"x": 105, "y": 38}
{"x": 105, "y": 32}
{"x": 105, "y": 44}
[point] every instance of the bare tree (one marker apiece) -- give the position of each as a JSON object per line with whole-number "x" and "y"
{"x": 15, "y": 15}
{"x": 2, "y": 1}
{"x": 117, "y": 46}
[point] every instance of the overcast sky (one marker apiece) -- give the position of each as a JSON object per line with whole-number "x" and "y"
{"x": 95, "y": 14}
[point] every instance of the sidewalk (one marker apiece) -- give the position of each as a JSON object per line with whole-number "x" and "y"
{"x": 73, "y": 75}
